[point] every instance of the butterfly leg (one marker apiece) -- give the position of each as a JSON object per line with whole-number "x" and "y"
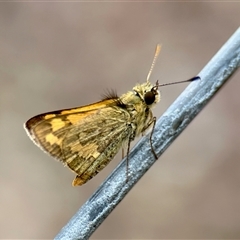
{"x": 128, "y": 150}
{"x": 122, "y": 152}
{"x": 153, "y": 123}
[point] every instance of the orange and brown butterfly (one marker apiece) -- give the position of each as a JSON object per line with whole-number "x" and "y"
{"x": 87, "y": 138}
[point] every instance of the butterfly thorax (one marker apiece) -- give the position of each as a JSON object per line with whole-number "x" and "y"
{"x": 139, "y": 107}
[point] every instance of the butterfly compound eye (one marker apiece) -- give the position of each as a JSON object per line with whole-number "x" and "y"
{"x": 149, "y": 97}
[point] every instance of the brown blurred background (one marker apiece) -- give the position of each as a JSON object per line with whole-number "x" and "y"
{"x": 61, "y": 55}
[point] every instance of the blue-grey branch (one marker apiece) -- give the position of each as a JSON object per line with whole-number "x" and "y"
{"x": 168, "y": 127}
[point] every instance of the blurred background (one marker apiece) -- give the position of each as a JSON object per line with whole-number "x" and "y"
{"x": 61, "y": 55}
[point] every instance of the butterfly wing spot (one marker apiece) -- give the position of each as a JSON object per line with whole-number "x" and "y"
{"x": 48, "y": 116}
{"x": 57, "y": 123}
{"x": 51, "y": 139}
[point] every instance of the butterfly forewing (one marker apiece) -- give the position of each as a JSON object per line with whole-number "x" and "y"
{"x": 48, "y": 130}
{"x": 85, "y": 141}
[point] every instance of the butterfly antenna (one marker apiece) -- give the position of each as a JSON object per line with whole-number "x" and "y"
{"x": 189, "y": 80}
{"x": 157, "y": 51}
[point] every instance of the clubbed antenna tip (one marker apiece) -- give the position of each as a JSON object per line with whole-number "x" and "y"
{"x": 171, "y": 83}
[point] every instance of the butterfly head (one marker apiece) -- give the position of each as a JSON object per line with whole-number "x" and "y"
{"x": 148, "y": 93}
